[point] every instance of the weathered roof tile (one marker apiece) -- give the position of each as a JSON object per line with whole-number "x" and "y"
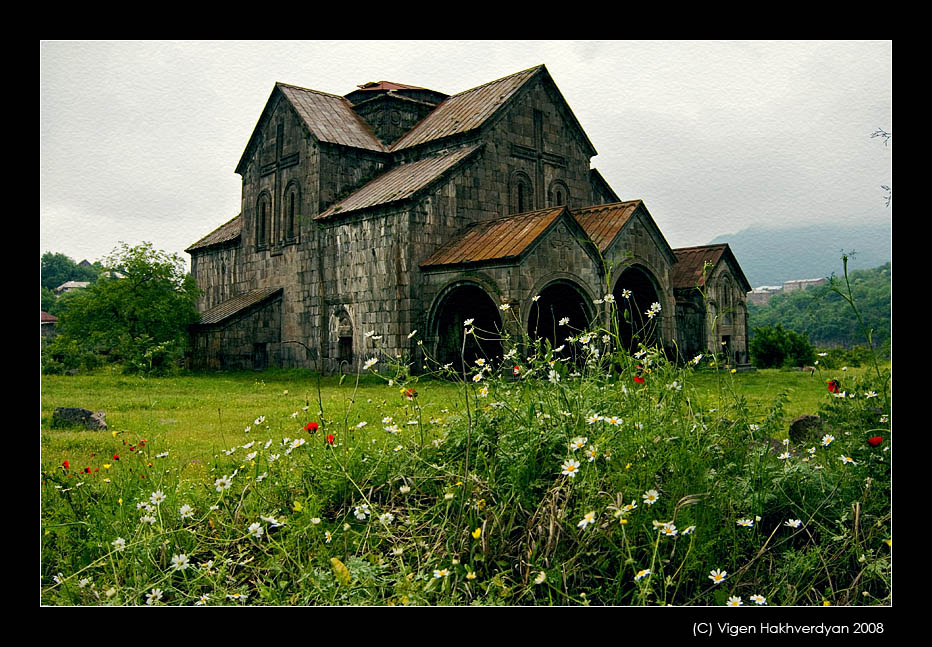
{"x": 465, "y": 111}
{"x": 498, "y": 239}
{"x": 330, "y": 118}
{"x": 401, "y": 182}
{"x": 227, "y": 232}
{"x": 237, "y": 304}
{"x": 603, "y": 222}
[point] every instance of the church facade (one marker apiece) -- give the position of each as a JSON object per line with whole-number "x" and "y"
{"x": 391, "y": 215}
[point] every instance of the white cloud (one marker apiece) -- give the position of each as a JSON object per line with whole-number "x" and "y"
{"x": 139, "y": 140}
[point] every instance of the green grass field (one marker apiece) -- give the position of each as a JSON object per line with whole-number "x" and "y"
{"x": 198, "y": 414}
{"x": 617, "y": 486}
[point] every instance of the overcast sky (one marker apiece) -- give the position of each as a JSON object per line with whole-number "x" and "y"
{"x": 138, "y": 141}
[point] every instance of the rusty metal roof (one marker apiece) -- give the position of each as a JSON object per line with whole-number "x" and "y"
{"x": 465, "y": 111}
{"x": 603, "y": 222}
{"x": 227, "y": 232}
{"x": 330, "y": 118}
{"x": 690, "y": 262}
{"x": 387, "y": 85}
{"x": 401, "y": 182}
{"x": 236, "y": 305}
{"x": 498, "y": 239}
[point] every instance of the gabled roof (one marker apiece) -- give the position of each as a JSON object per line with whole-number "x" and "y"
{"x": 603, "y": 222}
{"x": 471, "y": 109}
{"x": 328, "y": 117}
{"x": 227, "y": 232}
{"x": 236, "y": 305}
{"x": 690, "y": 263}
{"x": 401, "y": 182}
{"x": 467, "y": 110}
{"x": 499, "y": 239}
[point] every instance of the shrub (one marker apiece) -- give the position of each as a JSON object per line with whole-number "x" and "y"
{"x": 778, "y": 348}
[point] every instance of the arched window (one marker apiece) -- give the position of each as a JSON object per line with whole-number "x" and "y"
{"x": 558, "y": 194}
{"x": 292, "y": 211}
{"x": 263, "y": 213}
{"x": 522, "y": 193}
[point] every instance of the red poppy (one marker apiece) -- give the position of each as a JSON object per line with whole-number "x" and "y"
{"x": 834, "y": 386}
{"x": 115, "y": 457}
{"x": 410, "y": 394}
{"x": 330, "y": 438}
{"x": 66, "y": 464}
{"x": 87, "y": 470}
{"x": 516, "y": 370}
{"x": 311, "y": 427}
{"x": 876, "y": 440}
{"x": 637, "y": 377}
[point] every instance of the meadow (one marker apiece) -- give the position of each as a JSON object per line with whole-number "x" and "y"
{"x": 589, "y": 477}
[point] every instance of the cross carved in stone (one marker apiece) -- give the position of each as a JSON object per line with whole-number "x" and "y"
{"x": 539, "y": 156}
{"x": 280, "y": 163}
{"x": 560, "y": 243}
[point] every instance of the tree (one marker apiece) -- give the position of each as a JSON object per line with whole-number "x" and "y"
{"x": 141, "y": 318}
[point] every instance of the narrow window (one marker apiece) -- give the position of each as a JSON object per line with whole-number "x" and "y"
{"x": 520, "y": 197}
{"x": 263, "y": 215}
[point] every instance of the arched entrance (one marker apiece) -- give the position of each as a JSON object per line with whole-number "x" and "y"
{"x": 634, "y": 325}
{"x": 458, "y": 304}
{"x": 559, "y": 302}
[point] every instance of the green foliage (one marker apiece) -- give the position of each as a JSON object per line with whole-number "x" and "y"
{"x": 823, "y": 316}
{"x": 777, "y": 348}
{"x": 63, "y": 354}
{"x": 56, "y": 269}
{"x": 856, "y": 356}
{"x": 139, "y": 319}
{"x": 586, "y": 476}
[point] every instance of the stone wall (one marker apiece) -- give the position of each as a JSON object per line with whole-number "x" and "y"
{"x": 251, "y": 341}
{"x": 639, "y": 245}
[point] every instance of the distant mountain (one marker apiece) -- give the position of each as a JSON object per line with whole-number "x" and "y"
{"x": 773, "y": 256}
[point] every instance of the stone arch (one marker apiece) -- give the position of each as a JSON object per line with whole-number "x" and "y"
{"x": 559, "y": 299}
{"x": 558, "y": 194}
{"x": 642, "y": 290}
{"x": 455, "y": 304}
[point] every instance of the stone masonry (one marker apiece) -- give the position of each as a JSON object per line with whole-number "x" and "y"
{"x": 397, "y": 208}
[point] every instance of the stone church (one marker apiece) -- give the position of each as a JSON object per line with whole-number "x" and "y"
{"x": 405, "y": 211}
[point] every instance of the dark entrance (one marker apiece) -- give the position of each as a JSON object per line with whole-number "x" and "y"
{"x": 559, "y": 302}
{"x": 634, "y": 325}
{"x": 460, "y": 304}
{"x": 260, "y": 357}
